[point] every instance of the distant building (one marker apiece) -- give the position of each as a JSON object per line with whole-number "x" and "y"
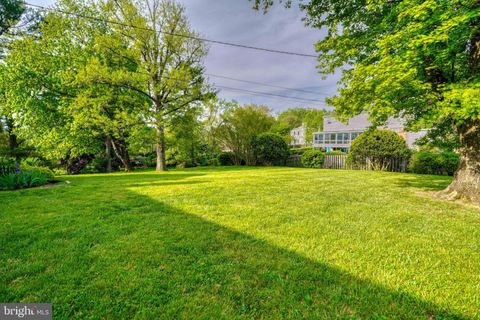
{"x": 337, "y": 135}
{"x": 298, "y": 137}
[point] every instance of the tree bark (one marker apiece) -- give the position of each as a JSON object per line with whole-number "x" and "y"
{"x": 161, "y": 148}
{"x": 108, "y": 153}
{"x": 466, "y": 183}
{"x": 121, "y": 151}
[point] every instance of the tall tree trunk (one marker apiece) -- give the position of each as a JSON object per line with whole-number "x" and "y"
{"x": 108, "y": 153}
{"x": 121, "y": 151}
{"x": 466, "y": 184}
{"x": 161, "y": 148}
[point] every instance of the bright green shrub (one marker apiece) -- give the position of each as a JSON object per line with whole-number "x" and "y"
{"x": 335, "y": 152}
{"x": 46, "y": 172}
{"x": 312, "y": 159}
{"x": 299, "y": 151}
{"x": 379, "y": 147}
{"x": 426, "y": 162}
{"x": 270, "y": 148}
{"x": 23, "y": 179}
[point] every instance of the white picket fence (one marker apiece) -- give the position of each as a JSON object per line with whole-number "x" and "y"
{"x": 338, "y": 161}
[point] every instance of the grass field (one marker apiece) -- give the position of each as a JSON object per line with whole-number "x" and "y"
{"x": 242, "y": 243}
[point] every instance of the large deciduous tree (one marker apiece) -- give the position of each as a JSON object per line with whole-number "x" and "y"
{"x": 239, "y": 126}
{"x": 412, "y": 58}
{"x": 49, "y": 96}
{"x": 166, "y": 58}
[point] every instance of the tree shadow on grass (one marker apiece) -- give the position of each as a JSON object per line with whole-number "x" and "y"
{"x": 162, "y": 262}
{"x": 424, "y": 182}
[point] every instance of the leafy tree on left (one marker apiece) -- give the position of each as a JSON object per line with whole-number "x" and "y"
{"x": 60, "y": 111}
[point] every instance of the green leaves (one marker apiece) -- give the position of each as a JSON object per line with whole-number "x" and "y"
{"x": 10, "y": 12}
{"x": 407, "y": 58}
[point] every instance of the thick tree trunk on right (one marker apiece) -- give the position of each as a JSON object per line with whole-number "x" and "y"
{"x": 466, "y": 183}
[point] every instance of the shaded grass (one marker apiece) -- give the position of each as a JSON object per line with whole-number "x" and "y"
{"x": 241, "y": 243}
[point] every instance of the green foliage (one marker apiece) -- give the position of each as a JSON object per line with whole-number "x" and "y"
{"x": 26, "y": 177}
{"x": 10, "y": 12}
{"x": 300, "y": 150}
{"x": 96, "y": 165}
{"x": 225, "y": 158}
{"x": 270, "y": 148}
{"x": 335, "y": 152}
{"x": 238, "y": 127}
{"x": 415, "y": 59}
{"x": 426, "y": 162}
{"x": 47, "y": 173}
{"x": 7, "y": 166}
{"x": 379, "y": 147}
{"x": 292, "y": 118}
{"x": 312, "y": 159}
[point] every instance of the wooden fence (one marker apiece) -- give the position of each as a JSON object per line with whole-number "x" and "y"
{"x": 338, "y": 161}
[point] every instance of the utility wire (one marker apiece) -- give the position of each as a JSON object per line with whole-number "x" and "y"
{"x": 270, "y": 94}
{"x": 265, "y": 84}
{"x": 297, "y": 99}
{"x": 175, "y": 34}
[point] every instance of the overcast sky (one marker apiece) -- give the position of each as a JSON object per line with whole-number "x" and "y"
{"x": 282, "y": 29}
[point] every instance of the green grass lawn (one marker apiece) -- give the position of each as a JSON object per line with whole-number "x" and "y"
{"x": 242, "y": 243}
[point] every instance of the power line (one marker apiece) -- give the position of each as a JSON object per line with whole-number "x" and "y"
{"x": 260, "y": 93}
{"x": 175, "y": 34}
{"x": 265, "y": 84}
{"x": 270, "y": 95}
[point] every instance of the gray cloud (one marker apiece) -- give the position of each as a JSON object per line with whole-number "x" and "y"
{"x": 283, "y": 29}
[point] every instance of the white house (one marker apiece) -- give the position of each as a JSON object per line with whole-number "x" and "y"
{"x": 337, "y": 135}
{"x": 298, "y": 137}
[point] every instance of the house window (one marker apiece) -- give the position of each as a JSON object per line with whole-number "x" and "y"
{"x": 355, "y": 135}
{"x": 339, "y": 138}
{"x": 319, "y": 138}
{"x": 332, "y": 138}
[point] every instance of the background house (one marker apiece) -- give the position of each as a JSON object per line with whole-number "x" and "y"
{"x": 298, "y": 137}
{"x": 339, "y": 136}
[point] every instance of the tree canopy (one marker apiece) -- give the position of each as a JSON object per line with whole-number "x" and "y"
{"x": 408, "y": 58}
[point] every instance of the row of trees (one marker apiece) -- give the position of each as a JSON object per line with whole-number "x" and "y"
{"x": 113, "y": 72}
{"x": 109, "y": 81}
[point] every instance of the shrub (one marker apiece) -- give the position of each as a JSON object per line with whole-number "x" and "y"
{"x": 312, "y": 159}
{"x": 225, "y": 159}
{"x": 425, "y": 162}
{"x": 270, "y": 148}
{"x": 96, "y": 165}
{"x": 7, "y": 166}
{"x": 335, "y": 152}
{"x": 380, "y": 147}
{"x": 299, "y": 151}
{"x": 213, "y": 162}
{"x": 25, "y": 179}
{"x": 186, "y": 164}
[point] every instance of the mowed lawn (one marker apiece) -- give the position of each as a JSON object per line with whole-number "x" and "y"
{"x": 226, "y": 243}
